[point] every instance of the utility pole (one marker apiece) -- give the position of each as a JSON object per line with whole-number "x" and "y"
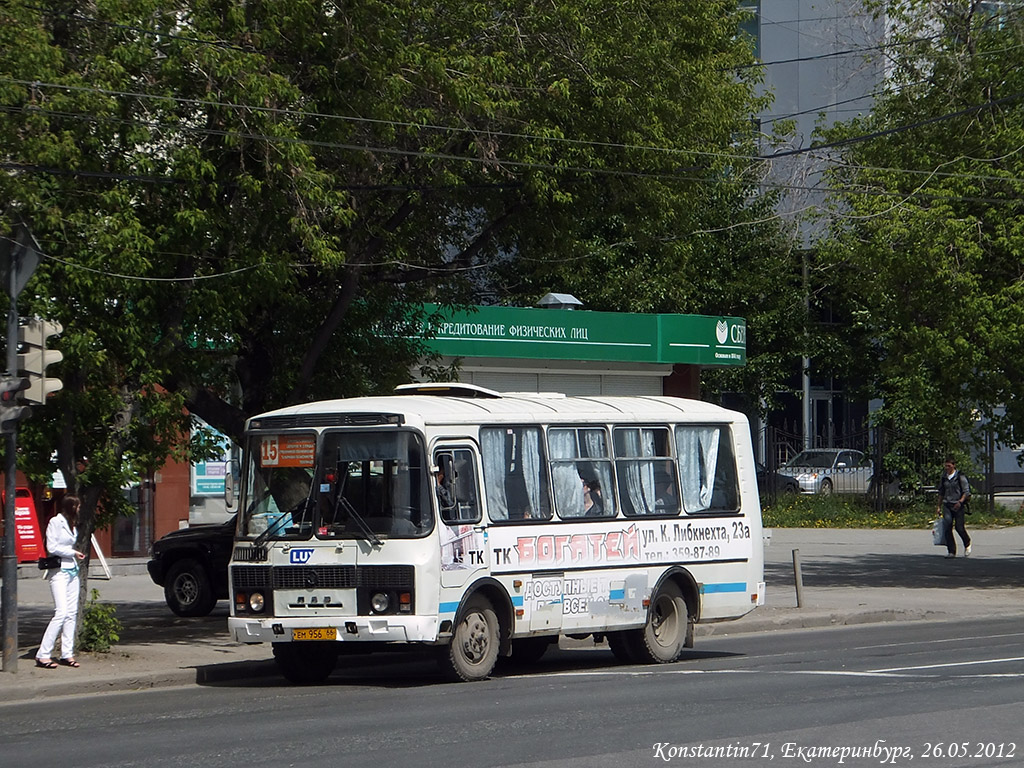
{"x": 805, "y": 361}
{"x": 20, "y": 257}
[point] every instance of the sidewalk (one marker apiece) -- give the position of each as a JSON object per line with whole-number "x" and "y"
{"x": 849, "y": 577}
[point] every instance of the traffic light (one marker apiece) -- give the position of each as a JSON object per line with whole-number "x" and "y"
{"x": 11, "y": 410}
{"x": 34, "y": 357}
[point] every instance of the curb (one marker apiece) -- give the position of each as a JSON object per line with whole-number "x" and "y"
{"x": 206, "y": 674}
{"x": 133, "y": 568}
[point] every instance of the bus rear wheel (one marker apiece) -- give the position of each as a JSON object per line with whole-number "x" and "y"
{"x": 664, "y": 636}
{"x": 623, "y": 645}
{"x": 473, "y": 651}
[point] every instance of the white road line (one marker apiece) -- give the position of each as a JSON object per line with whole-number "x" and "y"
{"x": 950, "y": 664}
{"x": 933, "y": 642}
{"x": 900, "y": 673}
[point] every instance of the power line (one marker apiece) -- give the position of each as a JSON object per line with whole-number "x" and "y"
{"x": 303, "y": 114}
{"x": 728, "y": 157}
{"x": 459, "y": 158}
{"x": 104, "y": 273}
{"x": 900, "y": 128}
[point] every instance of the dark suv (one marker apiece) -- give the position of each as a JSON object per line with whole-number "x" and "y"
{"x": 192, "y": 566}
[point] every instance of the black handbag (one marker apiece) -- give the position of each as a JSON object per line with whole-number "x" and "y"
{"x": 47, "y": 563}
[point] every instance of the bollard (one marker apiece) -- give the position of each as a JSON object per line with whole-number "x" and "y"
{"x": 798, "y": 579}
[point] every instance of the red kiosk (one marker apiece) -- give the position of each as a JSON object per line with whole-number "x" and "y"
{"x": 28, "y": 540}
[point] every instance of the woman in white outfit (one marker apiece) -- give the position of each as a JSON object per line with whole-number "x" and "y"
{"x": 61, "y": 535}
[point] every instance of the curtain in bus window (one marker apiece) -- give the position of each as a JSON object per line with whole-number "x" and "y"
{"x": 565, "y": 477}
{"x": 698, "y": 457}
{"x": 639, "y": 474}
{"x": 492, "y": 447}
{"x": 594, "y": 445}
{"x": 532, "y": 470}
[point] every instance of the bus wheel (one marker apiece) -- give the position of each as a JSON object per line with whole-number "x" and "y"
{"x": 473, "y": 651}
{"x": 668, "y": 621}
{"x": 622, "y": 645}
{"x": 306, "y": 663}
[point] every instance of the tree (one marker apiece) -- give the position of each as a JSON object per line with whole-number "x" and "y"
{"x": 927, "y": 239}
{"x": 244, "y": 205}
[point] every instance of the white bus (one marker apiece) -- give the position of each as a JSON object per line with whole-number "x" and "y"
{"x": 488, "y": 524}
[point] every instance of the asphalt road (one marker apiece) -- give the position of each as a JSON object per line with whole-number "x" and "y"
{"x": 787, "y": 698}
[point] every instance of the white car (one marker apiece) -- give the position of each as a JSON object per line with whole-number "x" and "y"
{"x": 830, "y": 470}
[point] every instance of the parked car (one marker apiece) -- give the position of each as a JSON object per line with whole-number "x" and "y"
{"x": 775, "y": 482}
{"x": 192, "y": 566}
{"x": 830, "y": 470}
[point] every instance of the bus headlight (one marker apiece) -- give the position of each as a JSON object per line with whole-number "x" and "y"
{"x": 256, "y": 602}
{"x": 380, "y": 602}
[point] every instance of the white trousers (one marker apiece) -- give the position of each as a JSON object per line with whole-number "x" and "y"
{"x": 64, "y": 587}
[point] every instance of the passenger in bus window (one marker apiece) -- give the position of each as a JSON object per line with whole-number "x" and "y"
{"x": 668, "y": 501}
{"x": 592, "y": 505}
{"x": 445, "y": 500}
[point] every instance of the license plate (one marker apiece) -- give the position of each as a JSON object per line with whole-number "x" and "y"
{"x": 315, "y": 633}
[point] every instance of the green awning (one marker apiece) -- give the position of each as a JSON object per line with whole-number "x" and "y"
{"x": 556, "y": 334}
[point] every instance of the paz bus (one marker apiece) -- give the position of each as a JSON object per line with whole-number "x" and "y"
{"x": 486, "y": 524}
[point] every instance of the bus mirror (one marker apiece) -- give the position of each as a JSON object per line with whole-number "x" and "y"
{"x": 229, "y": 485}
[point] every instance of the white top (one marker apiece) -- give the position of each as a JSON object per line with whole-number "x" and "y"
{"x": 60, "y": 540}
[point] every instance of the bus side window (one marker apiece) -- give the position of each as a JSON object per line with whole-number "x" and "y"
{"x": 515, "y": 473}
{"x": 646, "y": 480}
{"x": 455, "y": 486}
{"x": 466, "y": 493}
{"x": 707, "y": 468}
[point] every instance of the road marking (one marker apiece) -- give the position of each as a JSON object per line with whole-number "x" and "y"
{"x": 905, "y": 673}
{"x": 933, "y": 642}
{"x": 950, "y": 664}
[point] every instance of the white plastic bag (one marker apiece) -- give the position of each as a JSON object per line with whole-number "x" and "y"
{"x": 939, "y": 532}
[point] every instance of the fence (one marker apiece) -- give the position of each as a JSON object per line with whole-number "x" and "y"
{"x": 880, "y": 464}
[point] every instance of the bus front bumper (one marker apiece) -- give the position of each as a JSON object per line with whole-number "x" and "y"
{"x": 353, "y": 629}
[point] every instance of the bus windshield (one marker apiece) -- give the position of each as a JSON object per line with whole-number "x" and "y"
{"x": 346, "y": 484}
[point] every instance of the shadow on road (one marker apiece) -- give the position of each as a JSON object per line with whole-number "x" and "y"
{"x": 417, "y": 668}
{"x": 911, "y": 571}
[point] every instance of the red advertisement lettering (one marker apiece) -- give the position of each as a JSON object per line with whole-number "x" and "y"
{"x": 631, "y": 540}
{"x": 527, "y": 549}
{"x": 545, "y": 549}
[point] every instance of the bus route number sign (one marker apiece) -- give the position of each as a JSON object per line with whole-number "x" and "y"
{"x": 281, "y": 451}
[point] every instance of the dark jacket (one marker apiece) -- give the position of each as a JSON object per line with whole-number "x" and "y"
{"x": 952, "y": 489}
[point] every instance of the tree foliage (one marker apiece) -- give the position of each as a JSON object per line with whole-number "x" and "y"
{"x": 244, "y": 204}
{"x": 927, "y": 243}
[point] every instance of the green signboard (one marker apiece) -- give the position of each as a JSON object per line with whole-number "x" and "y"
{"x": 558, "y": 334}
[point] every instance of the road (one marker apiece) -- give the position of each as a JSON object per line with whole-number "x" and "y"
{"x": 777, "y": 695}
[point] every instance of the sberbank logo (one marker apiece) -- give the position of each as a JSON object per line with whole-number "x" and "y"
{"x": 733, "y": 333}
{"x": 722, "y": 331}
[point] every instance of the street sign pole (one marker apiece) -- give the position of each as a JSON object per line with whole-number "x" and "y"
{"x": 19, "y": 262}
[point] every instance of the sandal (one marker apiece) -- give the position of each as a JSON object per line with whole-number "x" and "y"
{"x": 69, "y": 663}
{"x": 46, "y": 663}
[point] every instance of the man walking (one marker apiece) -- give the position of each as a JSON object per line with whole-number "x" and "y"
{"x": 954, "y": 491}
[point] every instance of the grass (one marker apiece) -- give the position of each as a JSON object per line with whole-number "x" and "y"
{"x": 793, "y": 511}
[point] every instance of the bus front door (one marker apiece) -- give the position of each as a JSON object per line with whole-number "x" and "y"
{"x": 463, "y": 537}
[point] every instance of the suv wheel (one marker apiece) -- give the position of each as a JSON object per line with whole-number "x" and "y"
{"x": 187, "y": 589}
